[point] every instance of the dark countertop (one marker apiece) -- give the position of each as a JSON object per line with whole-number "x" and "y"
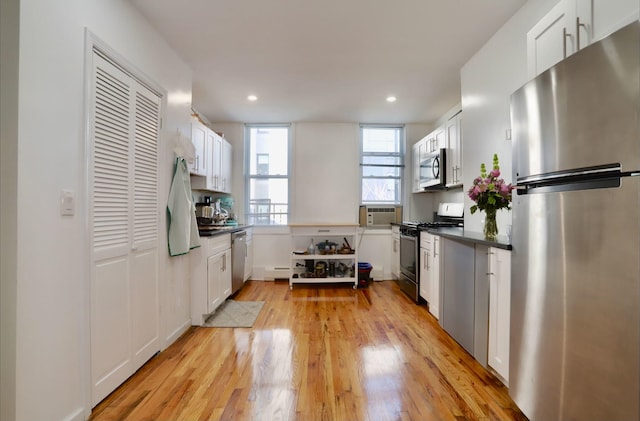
{"x": 223, "y": 230}
{"x": 471, "y": 236}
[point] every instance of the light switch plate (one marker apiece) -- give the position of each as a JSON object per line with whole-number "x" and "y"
{"x": 67, "y": 203}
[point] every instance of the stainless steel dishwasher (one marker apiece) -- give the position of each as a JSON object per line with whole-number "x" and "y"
{"x": 238, "y": 256}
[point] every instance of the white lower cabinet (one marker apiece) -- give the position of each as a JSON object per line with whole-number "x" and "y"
{"x": 248, "y": 261}
{"x": 215, "y": 266}
{"x": 434, "y": 272}
{"x": 226, "y": 275}
{"x": 499, "y": 311}
{"x": 430, "y": 271}
{"x": 426, "y": 241}
{"x": 395, "y": 251}
{"x": 210, "y": 276}
{"x": 218, "y": 279}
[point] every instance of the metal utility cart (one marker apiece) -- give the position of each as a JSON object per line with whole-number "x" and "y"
{"x": 331, "y": 258}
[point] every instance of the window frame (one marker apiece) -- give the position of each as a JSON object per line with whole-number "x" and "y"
{"x": 401, "y": 166}
{"x": 249, "y": 177}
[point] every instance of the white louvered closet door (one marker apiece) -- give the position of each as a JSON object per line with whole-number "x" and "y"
{"x": 123, "y": 164}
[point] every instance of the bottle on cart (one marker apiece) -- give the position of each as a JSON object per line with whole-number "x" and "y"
{"x": 311, "y": 249}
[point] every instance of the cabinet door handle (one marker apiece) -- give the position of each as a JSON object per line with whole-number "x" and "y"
{"x": 578, "y": 26}
{"x": 565, "y": 35}
{"x": 324, "y": 230}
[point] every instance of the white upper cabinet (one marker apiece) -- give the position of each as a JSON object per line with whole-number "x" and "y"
{"x": 220, "y": 173}
{"x": 212, "y": 162}
{"x": 453, "y": 131}
{"x": 435, "y": 140}
{"x": 417, "y": 152}
{"x": 440, "y": 138}
{"x": 199, "y": 140}
{"x": 213, "y": 181}
{"x": 572, "y": 25}
{"x": 551, "y": 40}
{"x": 425, "y": 146}
{"x": 225, "y": 164}
{"x": 599, "y": 18}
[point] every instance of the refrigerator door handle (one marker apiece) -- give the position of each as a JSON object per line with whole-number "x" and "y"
{"x": 587, "y": 172}
{"x": 603, "y": 176}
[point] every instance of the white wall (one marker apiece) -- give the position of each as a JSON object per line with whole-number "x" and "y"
{"x": 326, "y": 182}
{"x": 487, "y": 81}
{"x": 52, "y": 363}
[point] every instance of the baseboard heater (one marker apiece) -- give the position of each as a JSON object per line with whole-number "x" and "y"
{"x": 272, "y": 273}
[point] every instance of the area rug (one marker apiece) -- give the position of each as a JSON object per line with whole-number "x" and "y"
{"x": 235, "y": 314}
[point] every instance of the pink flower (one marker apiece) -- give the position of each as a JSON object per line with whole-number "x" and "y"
{"x": 490, "y": 192}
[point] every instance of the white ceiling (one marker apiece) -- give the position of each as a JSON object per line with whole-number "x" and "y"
{"x": 326, "y": 60}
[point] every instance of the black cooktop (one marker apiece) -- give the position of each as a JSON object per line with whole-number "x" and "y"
{"x": 441, "y": 224}
{"x": 434, "y": 224}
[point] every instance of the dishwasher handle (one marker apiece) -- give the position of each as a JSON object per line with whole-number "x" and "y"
{"x": 238, "y": 235}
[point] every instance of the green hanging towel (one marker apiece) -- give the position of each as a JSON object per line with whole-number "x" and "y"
{"x": 181, "y": 216}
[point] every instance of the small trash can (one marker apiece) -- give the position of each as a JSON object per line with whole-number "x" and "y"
{"x": 364, "y": 274}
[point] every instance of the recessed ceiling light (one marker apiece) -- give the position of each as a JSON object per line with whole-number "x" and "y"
{"x": 252, "y": 98}
{"x": 391, "y": 98}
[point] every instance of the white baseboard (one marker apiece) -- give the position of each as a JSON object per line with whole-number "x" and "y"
{"x": 272, "y": 273}
{"x": 78, "y": 415}
{"x": 176, "y": 334}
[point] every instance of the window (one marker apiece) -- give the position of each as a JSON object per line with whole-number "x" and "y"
{"x": 267, "y": 157}
{"x": 263, "y": 163}
{"x": 381, "y": 164}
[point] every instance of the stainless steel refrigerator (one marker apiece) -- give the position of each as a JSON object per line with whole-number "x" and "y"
{"x": 575, "y": 293}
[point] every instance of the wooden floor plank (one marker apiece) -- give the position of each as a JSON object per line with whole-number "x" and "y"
{"x": 317, "y": 352}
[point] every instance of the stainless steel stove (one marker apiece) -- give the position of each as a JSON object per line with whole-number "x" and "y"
{"x": 448, "y": 215}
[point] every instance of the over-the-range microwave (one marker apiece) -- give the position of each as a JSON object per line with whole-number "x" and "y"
{"x": 432, "y": 169}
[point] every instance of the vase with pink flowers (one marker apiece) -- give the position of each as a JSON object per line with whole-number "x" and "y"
{"x": 490, "y": 193}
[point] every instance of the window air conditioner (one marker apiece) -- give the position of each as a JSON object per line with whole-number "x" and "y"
{"x": 380, "y": 216}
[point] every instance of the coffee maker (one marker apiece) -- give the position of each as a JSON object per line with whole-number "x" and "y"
{"x": 210, "y": 213}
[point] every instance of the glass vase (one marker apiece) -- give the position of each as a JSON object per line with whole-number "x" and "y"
{"x": 490, "y": 225}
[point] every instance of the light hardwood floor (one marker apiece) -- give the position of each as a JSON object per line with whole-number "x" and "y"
{"x": 319, "y": 352}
